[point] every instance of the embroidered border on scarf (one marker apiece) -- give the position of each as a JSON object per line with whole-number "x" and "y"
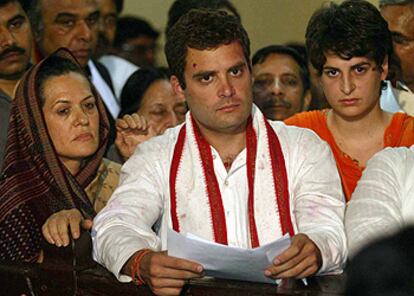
{"x": 213, "y": 189}
{"x": 280, "y": 180}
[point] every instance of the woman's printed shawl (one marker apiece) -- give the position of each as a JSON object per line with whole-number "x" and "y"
{"x": 34, "y": 183}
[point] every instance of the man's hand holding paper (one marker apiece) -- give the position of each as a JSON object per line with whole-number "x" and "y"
{"x": 225, "y": 261}
{"x": 302, "y": 258}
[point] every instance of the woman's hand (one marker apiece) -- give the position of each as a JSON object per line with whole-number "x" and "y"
{"x": 131, "y": 130}
{"x": 55, "y": 230}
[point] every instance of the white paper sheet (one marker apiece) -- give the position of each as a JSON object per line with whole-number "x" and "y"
{"x": 227, "y": 262}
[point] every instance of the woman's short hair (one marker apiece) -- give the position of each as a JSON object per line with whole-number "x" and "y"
{"x": 352, "y": 29}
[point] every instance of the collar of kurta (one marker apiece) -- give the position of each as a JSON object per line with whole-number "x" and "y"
{"x": 196, "y": 203}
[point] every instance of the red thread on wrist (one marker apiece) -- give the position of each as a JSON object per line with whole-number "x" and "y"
{"x": 135, "y": 273}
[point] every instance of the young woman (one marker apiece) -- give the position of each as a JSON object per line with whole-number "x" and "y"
{"x": 350, "y": 45}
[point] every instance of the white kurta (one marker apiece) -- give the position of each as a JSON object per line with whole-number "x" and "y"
{"x": 143, "y": 199}
{"x": 383, "y": 201}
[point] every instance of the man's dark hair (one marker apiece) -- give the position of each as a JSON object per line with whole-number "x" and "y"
{"x": 181, "y": 7}
{"x": 35, "y": 17}
{"x": 136, "y": 86}
{"x": 300, "y": 47}
{"x": 261, "y": 55}
{"x": 130, "y": 27}
{"x": 383, "y": 268}
{"x": 394, "y": 2}
{"x": 352, "y": 29}
{"x": 23, "y": 3}
{"x": 119, "y": 5}
{"x": 202, "y": 30}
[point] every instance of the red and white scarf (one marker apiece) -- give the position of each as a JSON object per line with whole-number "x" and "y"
{"x": 196, "y": 203}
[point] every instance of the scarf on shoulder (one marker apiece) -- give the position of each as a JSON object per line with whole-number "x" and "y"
{"x": 196, "y": 203}
{"x": 34, "y": 183}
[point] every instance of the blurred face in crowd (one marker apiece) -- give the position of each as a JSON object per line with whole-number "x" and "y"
{"x": 278, "y": 89}
{"x": 72, "y": 118}
{"x": 72, "y": 24}
{"x": 352, "y": 87}
{"x": 218, "y": 88}
{"x": 141, "y": 51}
{"x": 15, "y": 41}
{"x": 400, "y": 19}
{"x": 162, "y": 107}
{"x": 317, "y": 96}
{"x": 107, "y": 26}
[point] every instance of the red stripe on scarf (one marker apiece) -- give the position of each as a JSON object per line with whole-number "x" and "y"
{"x": 280, "y": 180}
{"x": 178, "y": 151}
{"x": 213, "y": 189}
{"x": 251, "y": 144}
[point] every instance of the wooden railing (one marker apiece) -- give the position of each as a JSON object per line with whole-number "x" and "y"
{"x": 70, "y": 271}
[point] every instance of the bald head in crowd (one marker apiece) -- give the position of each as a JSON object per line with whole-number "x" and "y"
{"x": 73, "y": 24}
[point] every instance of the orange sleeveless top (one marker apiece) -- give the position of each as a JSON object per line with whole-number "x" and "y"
{"x": 400, "y": 132}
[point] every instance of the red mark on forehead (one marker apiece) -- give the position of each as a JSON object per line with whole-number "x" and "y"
{"x": 194, "y": 65}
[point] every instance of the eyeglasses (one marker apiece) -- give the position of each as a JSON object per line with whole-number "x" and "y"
{"x": 139, "y": 49}
{"x": 266, "y": 81}
{"x": 109, "y": 21}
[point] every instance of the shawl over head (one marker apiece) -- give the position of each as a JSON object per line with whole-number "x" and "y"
{"x": 34, "y": 183}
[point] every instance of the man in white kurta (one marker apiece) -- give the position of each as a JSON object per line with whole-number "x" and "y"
{"x": 383, "y": 202}
{"x": 227, "y": 175}
{"x": 142, "y": 199}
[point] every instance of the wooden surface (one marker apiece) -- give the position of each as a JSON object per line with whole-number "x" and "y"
{"x": 51, "y": 279}
{"x": 71, "y": 271}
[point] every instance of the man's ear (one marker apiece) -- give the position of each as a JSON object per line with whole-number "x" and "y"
{"x": 177, "y": 87}
{"x": 384, "y": 67}
{"x": 307, "y": 98}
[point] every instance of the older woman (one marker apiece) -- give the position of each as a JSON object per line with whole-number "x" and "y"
{"x": 54, "y": 173}
{"x": 147, "y": 92}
